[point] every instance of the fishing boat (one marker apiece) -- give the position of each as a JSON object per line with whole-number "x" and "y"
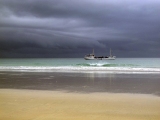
{"x": 90, "y": 56}
{"x": 93, "y": 57}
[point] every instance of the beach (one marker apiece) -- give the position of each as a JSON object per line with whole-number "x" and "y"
{"x": 87, "y": 96}
{"x": 47, "y": 105}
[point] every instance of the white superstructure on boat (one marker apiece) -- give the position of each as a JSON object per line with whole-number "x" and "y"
{"x": 90, "y": 56}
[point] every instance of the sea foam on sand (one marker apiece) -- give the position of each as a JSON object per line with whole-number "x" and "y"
{"x": 61, "y": 105}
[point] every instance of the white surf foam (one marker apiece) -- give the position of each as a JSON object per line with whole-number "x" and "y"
{"x": 80, "y": 69}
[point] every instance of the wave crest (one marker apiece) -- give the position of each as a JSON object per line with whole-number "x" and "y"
{"x": 80, "y": 69}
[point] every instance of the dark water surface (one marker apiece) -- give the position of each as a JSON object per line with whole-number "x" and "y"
{"x": 82, "y": 82}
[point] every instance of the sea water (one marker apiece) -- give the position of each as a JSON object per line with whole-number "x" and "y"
{"x": 119, "y": 65}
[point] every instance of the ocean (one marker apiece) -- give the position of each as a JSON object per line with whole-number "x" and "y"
{"x": 119, "y": 65}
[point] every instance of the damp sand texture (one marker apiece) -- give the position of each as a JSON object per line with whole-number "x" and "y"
{"x": 53, "y": 105}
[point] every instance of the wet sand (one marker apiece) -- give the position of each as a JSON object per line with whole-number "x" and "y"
{"x": 82, "y": 82}
{"x": 61, "y": 105}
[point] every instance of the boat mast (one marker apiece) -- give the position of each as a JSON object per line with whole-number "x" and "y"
{"x": 110, "y": 53}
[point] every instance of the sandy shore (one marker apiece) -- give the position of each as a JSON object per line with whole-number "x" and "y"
{"x": 53, "y": 105}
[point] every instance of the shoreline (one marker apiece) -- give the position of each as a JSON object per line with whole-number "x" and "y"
{"x": 61, "y": 105}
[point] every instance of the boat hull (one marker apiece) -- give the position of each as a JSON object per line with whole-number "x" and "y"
{"x": 110, "y": 58}
{"x": 106, "y": 58}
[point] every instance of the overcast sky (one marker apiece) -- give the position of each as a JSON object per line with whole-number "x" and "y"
{"x": 72, "y": 28}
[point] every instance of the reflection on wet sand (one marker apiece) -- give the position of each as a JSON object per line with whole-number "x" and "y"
{"x": 94, "y": 76}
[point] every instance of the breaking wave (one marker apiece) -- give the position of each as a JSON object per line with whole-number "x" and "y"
{"x": 85, "y": 68}
{"x": 106, "y": 65}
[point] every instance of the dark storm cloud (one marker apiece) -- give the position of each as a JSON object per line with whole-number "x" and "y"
{"x": 61, "y": 28}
